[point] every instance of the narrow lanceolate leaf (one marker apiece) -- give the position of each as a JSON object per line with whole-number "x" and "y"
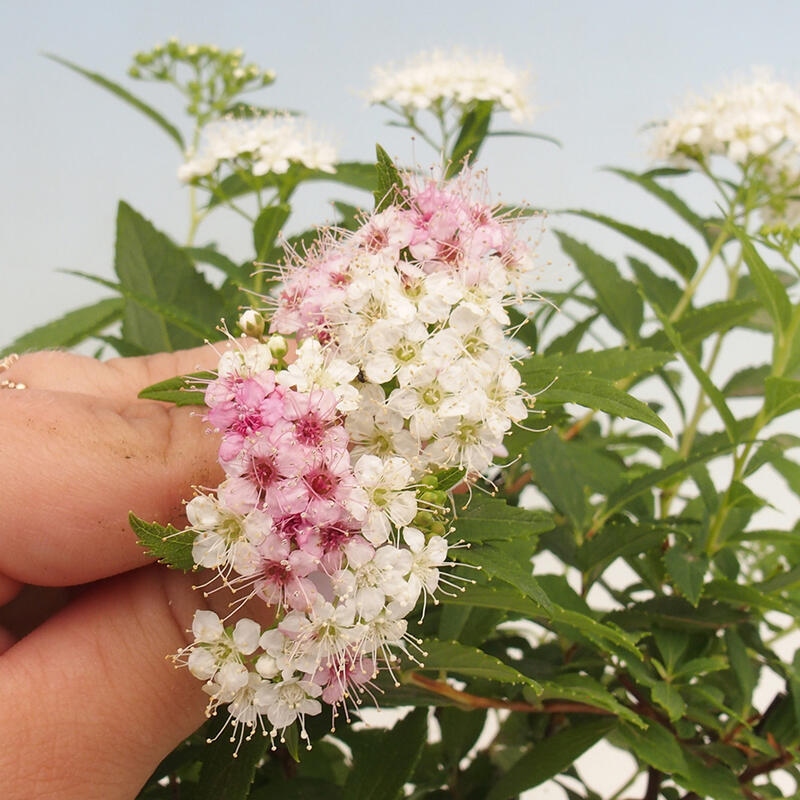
{"x": 583, "y": 689}
{"x": 677, "y": 255}
{"x": 600, "y": 395}
{"x": 704, "y": 379}
{"x": 469, "y": 662}
{"x": 268, "y": 226}
{"x": 169, "y": 545}
{"x": 550, "y": 756}
{"x": 166, "y": 290}
{"x": 389, "y": 180}
{"x": 648, "y": 182}
{"x": 382, "y": 772}
{"x": 616, "y": 297}
{"x": 486, "y": 518}
{"x": 782, "y": 395}
{"x": 183, "y": 390}
{"x": 71, "y": 329}
{"x": 222, "y": 773}
{"x": 613, "y": 364}
{"x": 767, "y": 284}
{"x": 126, "y": 96}
{"x": 474, "y": 129}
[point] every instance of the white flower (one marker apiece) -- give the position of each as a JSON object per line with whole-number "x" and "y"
{"x": 459, "y": 78}
{"x": 267, "y": 144}
{"x": 386, "y": 484}
{"x": 743, "y": 121}
{"x": 287, "y": 701}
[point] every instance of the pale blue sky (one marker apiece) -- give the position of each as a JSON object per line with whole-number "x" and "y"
{"x": 602, "y": 70}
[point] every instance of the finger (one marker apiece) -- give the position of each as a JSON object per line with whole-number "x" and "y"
{"x": 93, "y": 685}
{"x": 71, "y": 469}
{"x": 117, "y": 378}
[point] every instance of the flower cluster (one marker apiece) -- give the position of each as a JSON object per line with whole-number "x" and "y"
{"x": 431, "y": 79}
{"x": 334, "y": 509}
{"x": 755, "y": 125}
{"x": 745, "y": 121}
{"x": 257, "y": 145}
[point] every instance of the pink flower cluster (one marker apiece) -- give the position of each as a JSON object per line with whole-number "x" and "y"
{"x": 330, "y": 511}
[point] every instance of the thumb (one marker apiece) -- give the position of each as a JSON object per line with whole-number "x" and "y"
{"x": 91, "y": 704}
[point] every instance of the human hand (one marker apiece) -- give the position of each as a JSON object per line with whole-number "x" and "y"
{"x": 90, "y": 703}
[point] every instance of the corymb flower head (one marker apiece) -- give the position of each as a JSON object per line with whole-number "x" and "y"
{"x": 460, "y": 79}
{"x": 751, "y": 119}
{"x": 259, "y": 145}
{"x": 330, "y": 511}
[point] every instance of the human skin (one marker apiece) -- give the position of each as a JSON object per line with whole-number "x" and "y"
{"x": 91, "y": 703}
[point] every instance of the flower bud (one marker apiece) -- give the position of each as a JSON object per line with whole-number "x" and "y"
{"x": 278, "y": 346}
{"x": 252, "y": 323}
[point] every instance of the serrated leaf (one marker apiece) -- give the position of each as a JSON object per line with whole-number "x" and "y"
{"x": 647, "y": 182}
{"x": 619, "y": 539}
{"x": 124, "y": 95}
{"x": 182, "y": 390}
{"x": 583, "y": 689}
{"x": 616, "y": 297}
{"x": 669, "y": 698}
{"x": 389, "y": 180}
{"x": 677, "y": 255}
{"x": 704, "y": 379}
{"x": 768, "y": 285}
{"x": 619, "y": 499}
{"x": 781, "y": 395}
{"x": 222, "y": 774}
{"x": 612, "y": 364}
{"x": 470, "y": 662}
{"x": 748, "y": 382}
{"x": 600, "y": 395}
{"x": 687, "y": 569}
{"x": 654, "y": 746}
{"x": 152, "y": 268}
{"x": 488, "y": 518}
{"x": 165, "y": 543}
{"x": 381, "y": 773}
{"x": 657, "y": 289}
{"x": 550, "y": 756}
{"x": 210, "y": 255}
{"x": 71, "y": 329}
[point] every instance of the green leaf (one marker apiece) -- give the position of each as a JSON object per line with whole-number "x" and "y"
{"x": 748, "y": 382}
{"x": 677, "y": 255}
{"x": 126, "y": 96}
{"x": 183, "y": 390}
{"x": 616, "y": 297}
{"x": 470, "y": 662}
{"x": 268, "y": 225}
{"x": 390, "y": 183}
{"x": 600, "y": 395}
{"x": 613, "y": 364}
{"x": 550, "y": 756}
{"x": 381, "y": 772}
{"x": 486, "y": 518}
{"x": 687, "y": 569}
{"x": 781, "y": 396}
{"x": 583, "y": 689}
{"x": 767, "y": 284}
{"x": 474, "y": 129}
{"x": 71, "y": 329}
{"x": 619, "y": 539}
{"x": 620, "y": 498}
{"x": 166, "y": 290}
{"x": 654, "y": 747}
{"x": 169, "y": 545}
{"x": 704, "y": 379}
{"x": 647, "y": 182}
{"x": 669, "y": 698}
{"x": 657, "y": 289}
{"x": 695, "y": 326}
{"x": 210, "y": 255}
{"x": 224, "y": 774}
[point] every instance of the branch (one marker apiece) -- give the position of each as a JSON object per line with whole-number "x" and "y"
{"x": 469, "y": 701}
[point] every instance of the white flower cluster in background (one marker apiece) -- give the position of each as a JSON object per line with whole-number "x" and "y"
{"x": 335, "y": 510}
{"x": 754, "y": 124}
{"x": 260, "y": 145}
{"x": 458, "y": 77}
